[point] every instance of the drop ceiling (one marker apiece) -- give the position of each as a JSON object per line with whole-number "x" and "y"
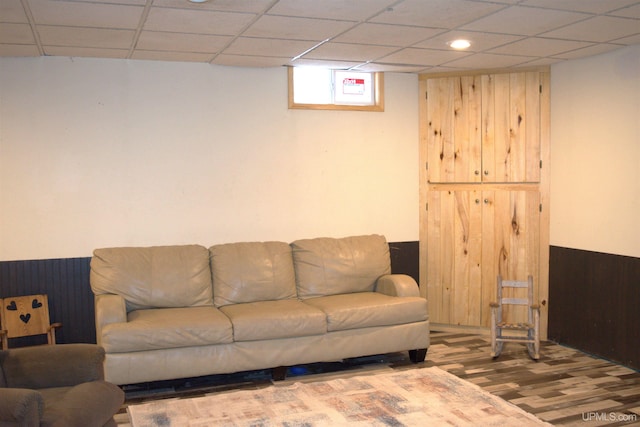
{"x": 371, "y": 35}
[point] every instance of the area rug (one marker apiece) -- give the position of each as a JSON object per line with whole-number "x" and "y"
{"x": 414, "y": 397}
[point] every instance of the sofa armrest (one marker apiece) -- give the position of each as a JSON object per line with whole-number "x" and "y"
{"x": 109, "y": 308}
{"x": 397, "y": 285}
{"x": 45, "y": 366}
{"x": 21, "y": 407}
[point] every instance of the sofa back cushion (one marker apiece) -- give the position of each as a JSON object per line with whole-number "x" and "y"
{"x": 328, "y": 266}
{"x": 154, "y": 277}
{"x": 252, "y": 271}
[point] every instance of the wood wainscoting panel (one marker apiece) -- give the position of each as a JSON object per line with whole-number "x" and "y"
{"x": 594, "y": 303}
{"x": 66, "y": 283}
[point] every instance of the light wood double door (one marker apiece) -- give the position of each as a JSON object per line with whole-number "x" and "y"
{"x": 483, "y": 189}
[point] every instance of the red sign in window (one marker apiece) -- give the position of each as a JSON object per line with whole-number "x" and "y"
{"x": 353, "y": 86}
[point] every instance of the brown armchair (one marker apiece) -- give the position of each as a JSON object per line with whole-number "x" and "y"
{"x": 56, "y": 385}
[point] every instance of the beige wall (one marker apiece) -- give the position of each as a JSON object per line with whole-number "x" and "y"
{"x": 108, "y": 152}
{"x": 595, "y": 153}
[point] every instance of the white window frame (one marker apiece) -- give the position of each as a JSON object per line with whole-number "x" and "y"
{"x": 377, "y": 105}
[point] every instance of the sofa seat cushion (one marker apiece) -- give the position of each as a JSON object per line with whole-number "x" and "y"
{"x": 252, "y": 271}
{"x": 266, "y": 320}
{"x": 369, "y": 309}
{"x": 327, "y": 266}
{"x": 167, "y": 328}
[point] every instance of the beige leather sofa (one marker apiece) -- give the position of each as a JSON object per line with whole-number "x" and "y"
{"x": 184, "y": 311}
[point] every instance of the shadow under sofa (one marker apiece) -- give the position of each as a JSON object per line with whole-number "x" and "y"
{"x": 169, "y": 312}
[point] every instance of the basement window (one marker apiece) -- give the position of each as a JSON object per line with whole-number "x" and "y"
{"x": 315, "y": 88}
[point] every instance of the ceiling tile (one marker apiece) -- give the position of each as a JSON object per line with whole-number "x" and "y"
{"x": 536, "y": 46}
{"x": 349, "y": 52}
{"x": 413, "y": 56}
{"x": 16, "y": 34}
{"x": 443, "y": 69}
{"x": 386, "y": 35}
{"x": 196, "y": 21}
{"x": 436, "y": 13}
{"x": 12, "y": 11}
{"x": 479, "y": 41}
{"x": 85, "y": 52}
{"x": 81, "y": 14}
{"x": 589, "y": 6}
{"x": 524, "y": 20}
{"x": 374, "y": 66}
{"x": 282, "y": 27}
{"x": 340, "y": 65}
{"x": 248, "y": 61}
{"x": 505, "y": 2}
{"x": 156, "y": 55}
{"x": 628, "y": 12}
{"x": 596, "y": 49}
{"x": 598, "y": 29}
{"x": 86, "y": 37}
{"x": 480, "y": 60}
{"x": 627, "y": 41}
{"x": 538, "y": 62}
{"x": 352, "y": 10}
{"x": 203, "y": 43}
{"x": 19, "y": 50}
{"x": 120, "y": 2}
{"x": 268, "y": 47}
{"x": 247, "y": 6}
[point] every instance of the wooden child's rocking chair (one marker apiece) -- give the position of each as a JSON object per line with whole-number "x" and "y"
{"x": 528, "y": 331}
{"x": 26, "y": 316}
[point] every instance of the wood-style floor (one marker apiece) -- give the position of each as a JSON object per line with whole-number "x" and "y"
{"x": 565, "y": 387}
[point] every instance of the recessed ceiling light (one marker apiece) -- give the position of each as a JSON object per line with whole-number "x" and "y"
{"x": 198, "y": 1}
{"x": 460, "y": 44}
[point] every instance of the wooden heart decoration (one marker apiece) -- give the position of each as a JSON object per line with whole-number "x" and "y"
{"x": 25, "y": 317}
{"x": 12, "y": 306}
{"x": 35, "y": 303}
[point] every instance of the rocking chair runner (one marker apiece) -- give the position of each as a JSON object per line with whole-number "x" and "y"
{"x": 529, "y": 331}
{"x": 26, "y": 316}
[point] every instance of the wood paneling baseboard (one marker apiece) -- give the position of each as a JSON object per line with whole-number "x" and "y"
{"x": 594, "y": 303}
{"x": 594, "y": 298}
{"x": 405, "y": 258}
{"x": 66, "y": 282}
